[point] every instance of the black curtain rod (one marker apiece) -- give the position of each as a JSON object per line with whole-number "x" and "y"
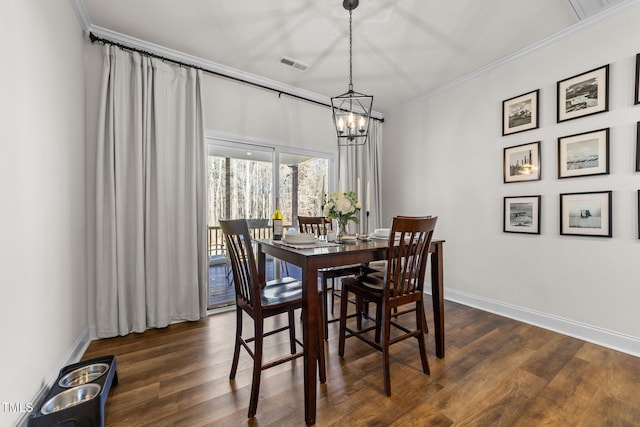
{"x": 95, "y": 38}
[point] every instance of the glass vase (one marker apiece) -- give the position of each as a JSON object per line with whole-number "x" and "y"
{"x": 343, "y": 230}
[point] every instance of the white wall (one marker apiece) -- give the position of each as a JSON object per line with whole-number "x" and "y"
{"x": 446, "y": 160}
{"x": 235, "y": 108}
{"x": 43, "y": 308}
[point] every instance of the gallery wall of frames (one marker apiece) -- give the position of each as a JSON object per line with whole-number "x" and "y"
{"x": 578, "y": 155}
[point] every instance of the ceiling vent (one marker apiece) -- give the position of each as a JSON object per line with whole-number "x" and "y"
{"x": 298, "y": 65}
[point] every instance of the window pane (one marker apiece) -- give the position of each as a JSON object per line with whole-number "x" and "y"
{"x": 303, "y": 179}
{"x": 240, "y": 184}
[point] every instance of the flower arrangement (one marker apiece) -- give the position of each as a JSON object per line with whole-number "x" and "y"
{"x": 343, "y": 207}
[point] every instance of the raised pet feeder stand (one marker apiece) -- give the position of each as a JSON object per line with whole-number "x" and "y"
{"x": 78, "y": 396}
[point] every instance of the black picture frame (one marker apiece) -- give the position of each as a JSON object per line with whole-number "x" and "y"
{"x": 586, "y": 214}
{"x": 583, "y": 95}
{"x": 521, "y": 113}
{"x": 521, "y": 214}
{"x": 636, "y": 93}
{"x": 584, "y": 154}
{"x": 521, "y": 163}
{"x": 638, "y": 147}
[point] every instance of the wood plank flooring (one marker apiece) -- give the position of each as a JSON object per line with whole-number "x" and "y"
{"x": 497, "y": 372}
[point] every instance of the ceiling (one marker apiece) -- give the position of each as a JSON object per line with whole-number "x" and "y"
{"x": 403, "y": 50}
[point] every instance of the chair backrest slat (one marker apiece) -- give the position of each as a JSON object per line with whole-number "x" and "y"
{"x": 409, "y": 243}
{"x": 316, "y": 225}
{"x": 243, "y": 263}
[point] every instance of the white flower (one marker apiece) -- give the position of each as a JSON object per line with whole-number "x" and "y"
{"x": 343, "y": 207}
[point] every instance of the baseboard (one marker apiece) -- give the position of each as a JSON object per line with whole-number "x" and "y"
{"x": 73, "y": 356}
{"x": 606, "y": 338}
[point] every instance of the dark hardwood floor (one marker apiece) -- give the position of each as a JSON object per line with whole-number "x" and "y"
{"x": 497, "y": 372}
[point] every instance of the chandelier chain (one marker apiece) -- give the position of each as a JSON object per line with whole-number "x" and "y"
{"x": 350, "y": 54}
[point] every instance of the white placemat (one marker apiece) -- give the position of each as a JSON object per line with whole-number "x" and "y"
{"x": 306, "y": 245}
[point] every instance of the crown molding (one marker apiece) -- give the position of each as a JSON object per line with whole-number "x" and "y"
{"x": 607, "y": 13}
{"x": 81, "y": 14}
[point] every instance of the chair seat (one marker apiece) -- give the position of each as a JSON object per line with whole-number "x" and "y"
{"x": 373, "y": 281}
{"x": 279, "y": 294}
{"x": 280, "y": 281}
{"x": 282, "y": 291}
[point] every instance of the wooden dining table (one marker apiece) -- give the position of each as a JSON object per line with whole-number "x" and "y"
{"x": 310, "y": 260}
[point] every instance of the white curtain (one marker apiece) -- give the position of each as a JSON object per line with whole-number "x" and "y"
{"x": 151, "y": 214}
{"x": 373, "y": 167}
{"x": 363, "y": 161}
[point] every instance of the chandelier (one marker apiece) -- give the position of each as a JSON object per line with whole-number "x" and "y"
{"x": 351, "y": 110}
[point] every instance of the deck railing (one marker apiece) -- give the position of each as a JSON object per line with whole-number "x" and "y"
{"x": 258, "y": 228}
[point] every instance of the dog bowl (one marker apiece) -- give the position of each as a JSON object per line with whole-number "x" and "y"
{"x": 83, "y": 375}
{"x": 68, "y": 398}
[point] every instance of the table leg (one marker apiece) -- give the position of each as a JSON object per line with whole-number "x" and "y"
{"x": 310, "y": 334}
{"x": 437, "y": 296}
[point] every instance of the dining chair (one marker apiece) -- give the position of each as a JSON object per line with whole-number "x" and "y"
{"x": 261, "y": 301}
{"x": 380, "y": 267}
{"x": 402, "y": 283}
{"x": 320, "y": 226}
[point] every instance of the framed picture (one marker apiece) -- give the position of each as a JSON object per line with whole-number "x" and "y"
{"x": 584, "y": 154}
{"x": 638, "y": 147}
{"x": 522, "y": 163}
{"x": 521, "y": 215}
{"x": 636, "y": 94}
{"x": 520, "y": 113}
{"x": 586, "y": 214}
{"x": 584, "y": 94}
{"x": 638, "y": 214}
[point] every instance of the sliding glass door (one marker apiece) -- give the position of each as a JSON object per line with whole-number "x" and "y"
{"x": 241, "y": 183}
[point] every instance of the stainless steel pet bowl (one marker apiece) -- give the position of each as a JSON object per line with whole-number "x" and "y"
{"x": 83, "y": 375}
{"x": 71, "y": 397}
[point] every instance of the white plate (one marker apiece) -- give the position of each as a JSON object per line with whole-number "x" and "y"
{"x": 300, "y": 239}
{"x": 349, "y": 238}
